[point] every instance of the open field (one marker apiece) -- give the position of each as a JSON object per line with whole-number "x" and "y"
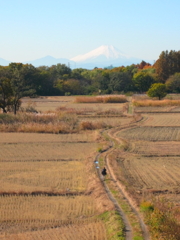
{"x": 47, "y": 103}
{"x": 157, "y": 173}
{"x": 148, "y": 148}
{"x": 44, "y": 184}
{"x": 151, "y": 133}
{"x": 156, "y": 109}
{"x": 48, "y": 151}
{"x": 20, "y": 213}
{"x": 109, "y": 121}
{"x": 52, "y": 103}
{"x": 48, "y": 183}
{"x": 42, "y": 176}
{"x": 82, "y": 231}
{"x": 167, "y": 120}
{"x": 29, "y": 138}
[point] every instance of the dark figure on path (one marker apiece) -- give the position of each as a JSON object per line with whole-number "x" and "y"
{"x": 104, "y": 172}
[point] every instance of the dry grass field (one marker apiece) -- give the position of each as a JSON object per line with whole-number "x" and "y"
{"x": 43, "y": 176}
{"x": 156, "y": 173}
{"x": 49, "y": 150}
{"x": 156, "y": 109}
{"x": 167, "y": 120}
{"x": 52, "y": 103}
{"x": 94, "y": 230}
{"x": 44, "y": 185}
{"x": 10, "y": 138}
{"x": 147, "y": 148}
{"x": 49, "y": 188}
{"x": 47, "y": 103}
{"x": 37, "y": 210}
{"x": 151, "y": 133}
{"x": 109, "y": 121}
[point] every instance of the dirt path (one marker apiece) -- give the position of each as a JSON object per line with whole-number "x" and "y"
{"x": 127, "y": 225}
{"x": 128, "y": 228}
{"x": 130, "y": 201}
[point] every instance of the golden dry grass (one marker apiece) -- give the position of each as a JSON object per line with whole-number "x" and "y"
{"x": 45, "y": 104}
{"x": 158, "y": 173}
{"x": 83, "y": 231}
{"x": 49, "y": 151}
{"x": 108, "y": 121}
{"x": 156, "y": 103}
{"x": 155, "y": 148}
{"x": 163, "y": 120}
{"x": 19, "y": 213}
{"x": 8, "y": 138}
{"x": 43, "y": 176}
{"x": 155, "y": 109}
{"x": 151, "y": 133}
{"x": 153, "y": 174}
{"x": 101, "y": 99}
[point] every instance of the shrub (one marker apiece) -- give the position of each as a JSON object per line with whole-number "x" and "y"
{"x": 102, "y": 99}
{"x": 160, "y": 216}
{"x": 146, "y": 206}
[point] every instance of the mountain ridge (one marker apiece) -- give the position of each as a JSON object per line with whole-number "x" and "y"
{"x": 101, "y": 57}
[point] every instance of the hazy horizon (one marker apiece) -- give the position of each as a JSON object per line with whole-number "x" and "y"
{"x": 35, "y": 29}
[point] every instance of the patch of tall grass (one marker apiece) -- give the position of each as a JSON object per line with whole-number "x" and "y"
{"x": 161, "y": 218}
{"x": 101, "y": 99}
{"x": 41, "y": 123}
{"x": 59, "y": 122}
{"x": 155, "y": 103}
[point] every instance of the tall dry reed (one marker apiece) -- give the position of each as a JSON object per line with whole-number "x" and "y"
{"x": 102, "y": 99}
{"x": 156, "y": 103}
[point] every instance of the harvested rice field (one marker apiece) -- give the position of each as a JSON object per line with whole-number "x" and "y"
{"x": 43, "y": 176}
{"x": 167, "y": 120}
{"x": 44, "y": 187}
{"x": 49, "y": 151}
{"x": 157, "y": 173}
{"x": 155, "y": 109}
{"x": 10, "y": 138}
{"x": 109, "y": 121}
{"x": 37, "y": 212}
{"x": 92, "y": 230}
{"x": 151, "y": 133}
{"x": 159, "y": 148}
{"x": 52, "y": 103}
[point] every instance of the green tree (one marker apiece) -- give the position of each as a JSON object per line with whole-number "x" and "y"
{"x": 157, "y": 90}
{"x": 104, "y": 81}
{"x": 173, "y": 83}
{"x": 73, "y": 87}
{"x": 5, "y": 93}
{"x": 142, "y": 81}
{"x": 167, "y": 64}
{"x": 120, "y": 81}
{"x": 21, "y": 85}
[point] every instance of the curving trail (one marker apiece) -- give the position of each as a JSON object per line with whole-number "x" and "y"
{"x": 128, "y": 228}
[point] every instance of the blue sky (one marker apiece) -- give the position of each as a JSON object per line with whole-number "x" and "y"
{"x": 32, "y": 29}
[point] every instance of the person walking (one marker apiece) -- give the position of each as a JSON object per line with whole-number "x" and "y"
{"x": 104, "y": 172}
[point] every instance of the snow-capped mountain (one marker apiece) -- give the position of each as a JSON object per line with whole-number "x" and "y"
{"x": 102, "y": 53}
{"x": 101, "y": 57}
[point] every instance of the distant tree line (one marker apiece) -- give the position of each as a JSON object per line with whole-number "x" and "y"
{"x": 19, "y": 80}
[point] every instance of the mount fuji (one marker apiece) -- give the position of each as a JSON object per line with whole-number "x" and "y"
{"x": 104, "y": 56}
{"x": 101, "y": 57}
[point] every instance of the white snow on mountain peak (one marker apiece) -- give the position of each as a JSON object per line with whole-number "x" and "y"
{"x": 106, "y": 51}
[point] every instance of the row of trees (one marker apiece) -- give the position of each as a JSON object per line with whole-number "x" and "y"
{"x": 18, "y": 80}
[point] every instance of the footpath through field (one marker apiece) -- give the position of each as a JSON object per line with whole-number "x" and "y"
{"x": 135, "y": 228}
